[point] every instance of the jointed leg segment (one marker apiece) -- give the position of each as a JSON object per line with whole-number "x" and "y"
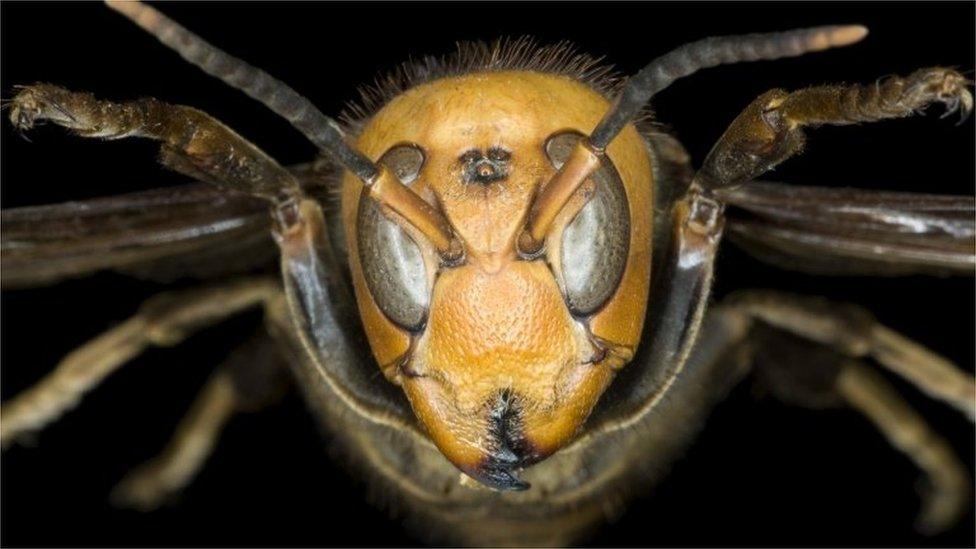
{"x": 146, "y": 486}
{"x": 948, "y": 485}
{"x": 770, "y": 130}
{"x": 825, "y": 371}
{"x": 854, "y": 332}
{"x": 165, "y": 320}
{"x": 251, "y": 378}
{"x": 196, "y": 144}
{"x": 193, "y": 142}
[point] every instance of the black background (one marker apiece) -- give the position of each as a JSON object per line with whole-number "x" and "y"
{"x": 761, "y": 473}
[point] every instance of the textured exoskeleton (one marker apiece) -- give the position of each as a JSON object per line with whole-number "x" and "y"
{"x": 526, "y": 265}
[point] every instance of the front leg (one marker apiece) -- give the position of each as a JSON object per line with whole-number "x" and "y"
{"x": 770, "y": 130}
{"x": 193, "y": 142}
{"x": 196, "y": 144}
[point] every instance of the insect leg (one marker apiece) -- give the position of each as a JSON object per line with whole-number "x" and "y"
{"x": 949, "y": 484}
{"x": 854, "y": 332}
{"x": 147, "y": 486}
{"x": 193, "y": 142}
{"x": 656, "y": 76}
{"x": 382, "y": 185}
{"x": 250, "y": 379}
{"x": 770, "y": 130}
{"x": 805, "y": 373}
{"x": 164, "y": 320}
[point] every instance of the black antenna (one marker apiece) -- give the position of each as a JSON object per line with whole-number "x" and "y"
{"x": 321, "y": 130}
{"x": 659, "y": 74}
{"x": 710, "y": 52}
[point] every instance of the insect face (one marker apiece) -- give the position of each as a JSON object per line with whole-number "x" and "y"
{"x": 502, "y": 356}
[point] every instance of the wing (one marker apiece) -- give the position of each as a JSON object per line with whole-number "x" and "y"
{"x": 42, "y": 244}
{"x": 853, "y": 231}
{"x": 193, "y": 230}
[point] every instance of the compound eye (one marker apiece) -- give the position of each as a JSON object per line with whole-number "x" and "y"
{"x": 393, "y": 264}
{"x": 595, "y": 244}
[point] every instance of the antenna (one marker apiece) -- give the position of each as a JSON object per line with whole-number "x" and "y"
{"x": 656, "y": 76}
{"x": 321, "y": 130}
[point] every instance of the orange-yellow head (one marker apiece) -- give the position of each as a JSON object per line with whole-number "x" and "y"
{"x": 501, "y": 356}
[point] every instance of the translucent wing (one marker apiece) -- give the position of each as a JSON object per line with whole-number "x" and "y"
{"x": 191, "y": 230}
{"x": 854, "y": 231}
